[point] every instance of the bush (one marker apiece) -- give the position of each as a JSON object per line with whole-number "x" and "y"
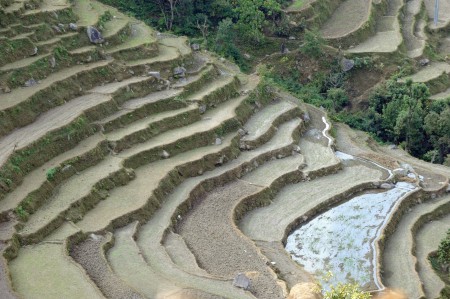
{"x": 312, "y": 44}
{"x": 346, "y": 291}
{"x": 444, "y": 250}
{"x": 51, "y": 174}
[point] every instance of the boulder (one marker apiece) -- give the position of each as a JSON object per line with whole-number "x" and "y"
{"x": 179, "y": 72}
{"x": 347, "y": 64}
{"x": 305, "y": 290}
{"x": 195, "y": 47}
{"x": 157, "y": 75}
{"x": 202, "y": 109}
{"x": 30, "y": 82}
{"x": 62, "y": 27}
{"x": 52, "y": 62}
{"x": 247, "y": 56}
{"x": 387, "y": 186}
{"x": 242, "y": 281}
{"x": 94, "y": 35}
{"x": 165, "y": 154}
{"x": 57, "y": 29}
{"x": 424, "y": 61}
{"x": 400, "y": 172}
{"x": 218, "y": 141}
{"x": 73, "y": 26}
{"x": 35, "y": 51}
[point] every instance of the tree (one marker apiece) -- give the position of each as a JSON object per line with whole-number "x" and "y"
{"x": 444, "y": 250}
{"x": 312, "y": 44}
{"x": 168, "y": 8}
{"x": 251, "y": 15}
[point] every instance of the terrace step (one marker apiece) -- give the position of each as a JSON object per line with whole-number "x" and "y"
{"x": 152, "y": 232}
{"x": 300, "y": 199}
{"x": 431, "y": 75}
{"x": 89, "y": 254}
{"x": 442, "y": 95}
{"x": 125, "y": 253}
{"x": 110, "y": 169}
{"x": 340, "y": 24}
{"x": 399, "y": 262}
{"x": 444, "y": 15}
{"x": 37, "y": 178}
{"x": 22, "y": 63}
{"x": 413, "y": 29}
{"x": 262, "y": 126}
{"x": 427, "y": 239}
{"x": 22, "y": 96}
{"x": 49, "y": 121}
{"x": 87, "y": 13}
{"x": 33, "y": 261}
{"x": 388, "y": 36}
{"x": 142, "y": 38}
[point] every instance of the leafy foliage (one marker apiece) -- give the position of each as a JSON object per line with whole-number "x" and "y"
{"x": 312, "y": 44}
{"x": 346, "y": 291}
{"x": 444, "y": 250}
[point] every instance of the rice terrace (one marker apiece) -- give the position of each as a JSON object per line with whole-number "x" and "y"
{"x": 224, "y": 149}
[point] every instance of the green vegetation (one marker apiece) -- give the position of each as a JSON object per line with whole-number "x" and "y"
{"x": 313, "y": 44}
{"x": 104, "y": 18}
{"x": 51, "y": 174}
{"x": 401, "y": 113}
{"x": 346, "y": 291}
{"x": 444, "y": 250}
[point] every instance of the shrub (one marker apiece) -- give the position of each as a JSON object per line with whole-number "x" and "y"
{"x": 346, "y": 291}
{"x": 51, "y": 174}
{"x": 444, "y": 250}
{"x": 312, "y": 44}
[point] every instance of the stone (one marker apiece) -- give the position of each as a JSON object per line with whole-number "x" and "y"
{"x": 66, "y": 168}
{"x": 35, "y": 51}
{"x": 448, "y": 189}
{"x": 94, "y": 35}
{"x": 408, "y": 167}
{"x": 292, "y": 38}
{"x": 62, "y": 27}
{"x": 258, "y": 104}
{"x": 306, "y": 117}
{"x": 155, "y": 74}
{"x": 165, "y": 154}
{"x": 424, "y": 61}
{"x": 387, "y": 186}
{"x": 247, "y": 56}
{"x": 6, "y": 89}
{"x": 305, "y": 290}
{"x": 347, "y": 64}
{"x": 220, "y": 161}
{"x": 57, "y": 29}
{"x": 393, "y": 147}
{"x": 218, "y": 141}
{"x": 73, "y": 26}
{"x": 297, "y": 149}
{"x": 195, "y": 47}
{"x": 242, "y": 132}
{"x": 242, "y": 281}
{"x": 202, "y": 109}
{"x": 179, "y": 72}
{"x": 400, "y": 172}
{"x": 52, "y": 62}
{"x": 30, "y": 82}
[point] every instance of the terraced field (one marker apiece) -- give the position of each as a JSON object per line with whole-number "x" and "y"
{"x": 134, "y": 167}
